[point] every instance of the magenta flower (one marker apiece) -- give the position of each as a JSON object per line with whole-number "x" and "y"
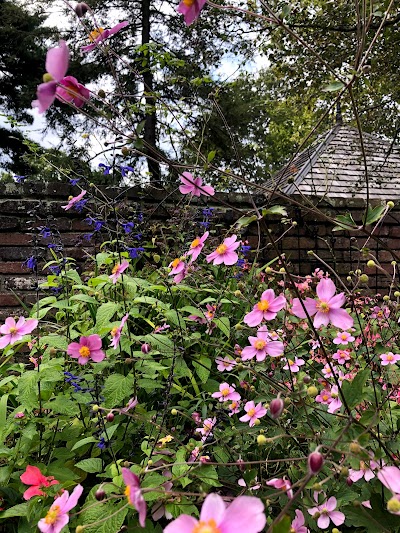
{"x": 225, "y": 252}
{"x": 261, "y": 346}
{"x": 116, "y": 332}
{"x": 87, "y": 348}
{"x": 342, "y": 337}
{"x": 72, "y": 200}
{"x": 330, "y": 398}
{"x": 389, "y": 358}
{"x": 70, "y": 90}
{"x": 282, "y": 484}
{"x": 326, "y": 308}
{"x": 57, "y": 516}
{"x": 192, "y": 185}
{"x": 196, "y": 246}
{"x": 118, "y": 269}
{"x": 176, "y": 266}
{"x": 294, "y": 365}
{"x": 253, "y": 412}
{"x": 206, "y": 430}
{"x": 130, "y": 405}
{"x": 190, "y": 9}
{"x": 390, "y": 477}
{"x": 327, "y": 513}
{"x": 33, "y": 476}
{"x": 298, "y": 524}
{"x": 225, "y": 364}
{"x": 234, "y": 408}
{"x": 134, "y": 494}
{"x": 245, "y": 513}
{"x": 99, "y": 35}
{"x": 14, "y": 331}
{"x": 266, "y": 309}
{"x": 226, "y": 392}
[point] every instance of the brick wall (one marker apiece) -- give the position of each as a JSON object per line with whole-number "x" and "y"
{"x": 26, "y": 207}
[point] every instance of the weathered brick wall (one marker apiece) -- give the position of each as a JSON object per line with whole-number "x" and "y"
{"x": 24, "y": 207}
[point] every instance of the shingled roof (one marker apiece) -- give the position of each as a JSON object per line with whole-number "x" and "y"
{"x": 333, "y": 166}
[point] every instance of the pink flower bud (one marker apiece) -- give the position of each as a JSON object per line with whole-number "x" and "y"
{"x": 276, "y": 407}
{"x": 349, "y": 482}
{"x": 241, "y": 465}
{"x": 315, "y": 462}
{"x": 81, "y": 9}
{"x": 145, "y": 348}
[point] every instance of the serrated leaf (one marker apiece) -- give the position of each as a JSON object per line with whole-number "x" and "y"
{"x": 202, "y": 367}
{"x": 18, "y": 510}
{"x": 28, "y": 390}
{"x": 83, "y": 442}
{"x": 223, "y": 324}
{"x": 275, "y": 210}
{"x": 344, "y": 222}
{"x": 96, "y": 514}
{"x": 91, "y": 466}
{"x": 105, "y": 313}
{"x": 374, "y": 213}
{"x": 243, "y": 222}
{"x": 116, "y": 388}
{"x": 353, "y": 390}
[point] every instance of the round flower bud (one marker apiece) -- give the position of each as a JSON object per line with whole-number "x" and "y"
{"x": 355, "y": 447}
{"x": 371, "y": 263}
{"x": 358, "y": 271}
{"x": 241, "y": 465}
{"x": 100, "y": 495}
{"x": 349, "y": 482}
{"x": 81, "y": 9}
{"x": 257, "y": 422}
{"x": 390, "y": 204}
{"x": 386, "y": 298}
{"x": 145, "y": 348}
{"x": 276, "y": 408}
{"x": 261, "y": 440}
{"x": 174, "y": 412}
{"x": 157, "y": 258}
{"x": 306, "y": 379}
{"x": 312, "y": 391}
{"x": 268, "y": 270}
{"x": 95, "y": 408}
{"x": 125, "y": 151}
{"x": 364, "y": 278}
{"x": 294, "y": 223}
{"x": 397, "y": 294}
{"x": 47, "y": 77}
{"x": 335, "y": 530}
{"x": 238, "y": 293}
{"x": 344, "y": 471}
{"x": 79, "y": 529}
{"x": 288, "y": 401}
{"x": 393, "y": 505}
{"x": 315, "y": 462}
{"x": 282, "y": 270}
{"x": 149, "y": 462}
{"x": 53, "y": 351}
{"x": 110, "y": 417}
{"x": 310, "y": 252}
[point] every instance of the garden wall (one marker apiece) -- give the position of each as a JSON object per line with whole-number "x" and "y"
{"x": 26, "y": 207}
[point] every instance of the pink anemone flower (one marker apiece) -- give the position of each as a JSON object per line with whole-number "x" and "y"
{"x": 253, "y": 412}
{"x": 294, "y": 365}
{"x": 70, "y": 90}
{"x": 266, "y": 309}
{"x": 225, "y": 393}
{"x": 365, "y": 471}
{"x": 206, "y": 430}
{"x": 33, "y": 476}
{"x": 99, "y": 35}
{"x": 14, "y": 331}
{"x": 190, "y": 9}
{"x": 389, "y": 358}
{"x": 261, "y": 346}
{"x": 326, "y": 513}
{"x": 118, "y": 269}
{"x": 327, "y": 307}
{"x": 245, "y": 513}
{"x": 116, "y": 332}
{"x": 298, "y": 524}
{"x": 342, "y": 337}
{"x": 57, "y": 516}
{"x": 196, "y": 246}
{"x": 390, "y": 477}
{"x": 192, "y": 185}
{"x": 282, "y": 484}
{"x": 73, "y": 200}
{"x": 134, "y": 494}
{"x": 225, "y": 252}
{"x": 87, "y": 348}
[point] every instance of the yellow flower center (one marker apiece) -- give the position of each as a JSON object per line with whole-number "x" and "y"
{"x": 116, "y": 268}
{"x": 206, "y": 527}
{"x": 344, "y": 336}
{"x": 290, "y": 362}
{"x": 221, "y": 249}
{"x": 263, "y": 305}
{"x": 195, "y": 243}
{"x": 127, "y": 493}
{"x": 251, "y": 412}
{"x": 323, "y": 307}
{"x": 13, "y": 330}
{"x": 225, "y": 392}
{"x": 188, "y": 3}
{"x": 47, "y": 77}
{"x": 114, "y": 331}
{"x": 175, "y": 262}
{"x": 52, "y": 515}
{"x": 260, "y": 344}
{"x": 84, "y": 351}
{"x": 325, "y": 397}
{"x": 233, "y": 405}
{"x": 95, "y": 33}
{"x": 388, "y": 358}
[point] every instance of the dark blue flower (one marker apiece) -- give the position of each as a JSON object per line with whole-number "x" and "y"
{"x": 74, "y": 181}
{"x": 245, "y": 249}
{"x": 134, "y": 253}
{"x": 98, "y": 224}
{"x": 205, "y": 224}
{"x": 102, "y": 444}
{"x": 88, "y": 236}
{"x": 31, "y": 263}
{"x": 140, "y": 217}
{"x": 125, "y": 170}
{"x": 45, "y": 232}
{"x": 240, "y": 263}
{"x": 56, "y": 290}
{"x": 208, "y": 212}
{"x": 128, "y": 226}
{"x": 106, "y": 168}
{"x": 80, "y": 205}
{"x": 19, "y": 179}
{"x": 55, "y": 247}
{"x": 55, "y": 269}
{"x": 138, "y": 236}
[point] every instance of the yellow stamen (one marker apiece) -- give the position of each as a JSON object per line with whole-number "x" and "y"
{"x": 325, "y": 397}
{"x": 260, "y": 344}
{"x": 175, "y": 263}
{"x": 388, "y": 358}
{"x": 127, "y": 493}
{"x": 84, "y": 351}
{"x": 221, "y": 249}
{"x": 225, "y": 392}
{"x": 323, "y": 307}
{"x": 195, "y": 243}
{"x": 206, "y": 527}
{"x": 251, "y": 412}
{"x": 263, "y": 305}
{"x": 95, "y": 33}
{"x": 52, "y": 515}
{"x": 13, "y": 330}
{"x": 114, "y": 331}
{"x": 116, "y": 268}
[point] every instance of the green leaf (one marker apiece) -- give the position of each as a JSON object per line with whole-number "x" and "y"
{"x": 105, "y": 313}
{"x": 63, "y": 406}
{"x": 223, "y": 324}
{"x": 202, "y": 368}
{"x": 84, "y": 298}
{"x": 83, "y": 442}
{"x": 28, "y": 390}
{"x": 353, "y": 390}
{"x": 116, "y": 388}
{"x": 374, "y": 213}
{"x": 275, "y": 210}
{"x": 333, "y": 87}
{"x": 100, "y": 517}
{"x": 245, "y": 221}
{"x": 18, "y": 510}
{"x": 283, "y": 526}
{"x": 211, "y": 156}
{"x": 180, "y": 470}
{"x": 345, "y": 222}
{"x": 92, "y": 465}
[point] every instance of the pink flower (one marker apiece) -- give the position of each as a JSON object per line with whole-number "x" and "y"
{"x": 130, "y": 405}
{"x": 225, "y": 364}
{"x": 73, "y": 200}
{"x": 57, "y": 516}
{"x": 176, "y": 266}
{"x": 134, "y": 494}
{"x": 297, "y": 525}
{"x": 253, "y": 412}
{"x": 234, "y": 408}
{"x": 389, "y": 358}
{"x": 364, "y": 472}
{"x": 281, "y": 484}
{"x": 116, "y": 332}
{"x": 192, "y": 185}
{"x": 225, "y": 252}
{"x": 341, "y": 356}
{"x": 196, "y": 246}
{"x": 266, "y": 309}
{"x": 117, "y": 270}
{"x": 87, "y": 348}
{"x": 20, "y": 414}
{"x": 242, "y": 483}
{"x": 327, "y": 513}
{"x": 245, "y": 513}
{"x": 342, "y": 337}
{"x": 226, "y": 392}
{"x": 390, "y": 477}
{"x": 33, "y": 476}
{"x": 327, "y": 307}
{"x": 190, "y": 9}
{"x": 206, "y": 430}
{"x": 261, "y": 346}
{"x": 294, "y": 365}
{"x": 331, "y": 398}
{"x": 70, "y": 90}
{"x": 14, "y": 331}
{"x": 99, "y": 35}
{"x": 328, "y": 371}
